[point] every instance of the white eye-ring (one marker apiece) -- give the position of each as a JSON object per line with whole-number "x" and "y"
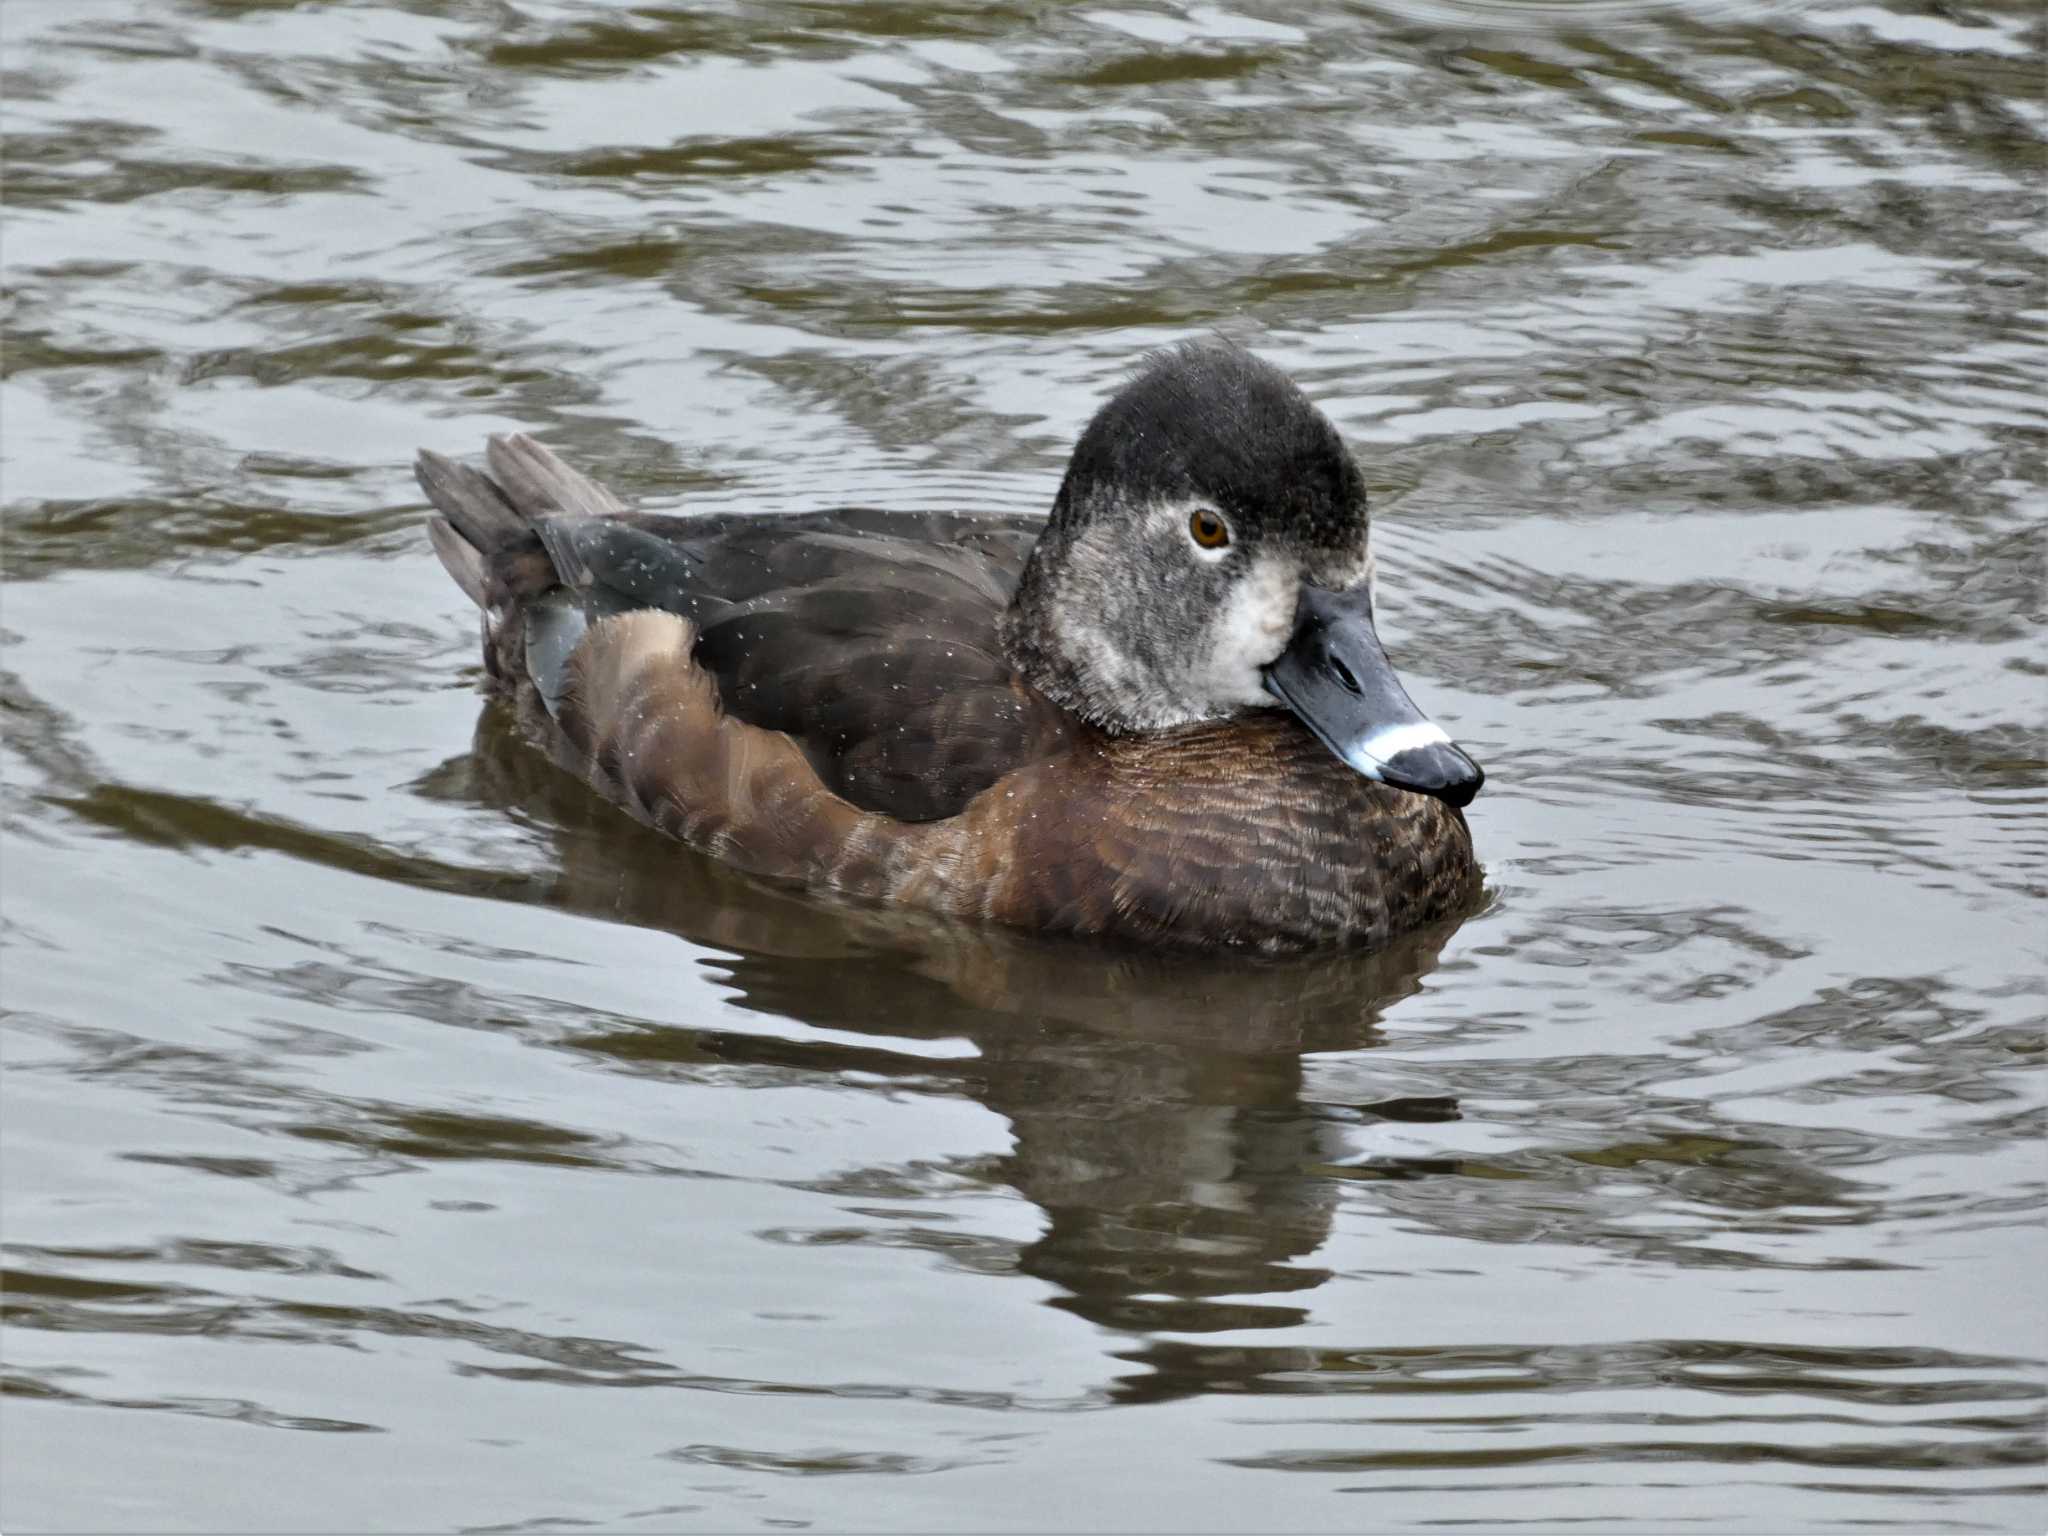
{"x": 1208, "y": 533}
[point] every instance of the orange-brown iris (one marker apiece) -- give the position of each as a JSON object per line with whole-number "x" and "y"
{"x": 1207, "y": 529}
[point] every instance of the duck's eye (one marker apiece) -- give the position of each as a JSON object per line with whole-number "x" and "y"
{"x": 1207, "y": 529}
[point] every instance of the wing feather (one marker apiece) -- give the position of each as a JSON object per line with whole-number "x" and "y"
{"x": 867, "y": 637}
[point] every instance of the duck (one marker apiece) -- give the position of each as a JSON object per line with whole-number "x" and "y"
{"x": 1159, "y": 715}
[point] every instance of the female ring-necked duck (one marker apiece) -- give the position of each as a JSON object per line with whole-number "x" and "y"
{"x": 1163, "y": 714}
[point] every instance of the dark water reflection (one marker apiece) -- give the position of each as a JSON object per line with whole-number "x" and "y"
{"x": 394, "y": 1139}
{"x": 1156, "y": 1106}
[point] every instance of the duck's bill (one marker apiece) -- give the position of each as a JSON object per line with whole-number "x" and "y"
{"x": 1335, "y": 675}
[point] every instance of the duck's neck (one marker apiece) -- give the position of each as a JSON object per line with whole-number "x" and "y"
{"x": 1034, "y": 636}
{"x": 1075, "y": 631}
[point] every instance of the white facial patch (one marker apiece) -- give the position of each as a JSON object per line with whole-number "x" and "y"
{"x": 1383, "y": 746}
{"x": 1249, "y": 632}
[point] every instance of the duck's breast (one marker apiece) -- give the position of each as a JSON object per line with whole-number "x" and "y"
{"x": 1244, "y": 833}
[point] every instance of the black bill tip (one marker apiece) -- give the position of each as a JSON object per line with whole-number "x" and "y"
{"x": 1439, "y": 769}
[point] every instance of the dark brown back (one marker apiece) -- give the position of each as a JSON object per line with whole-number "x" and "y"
{"x": 869, "y": 637}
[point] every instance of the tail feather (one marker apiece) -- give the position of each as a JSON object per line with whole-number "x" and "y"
{"x": 541, "y": 485}
{"x": 469, "y": 500}
{"x": 461, "y": 559}
{"x": 506, "y": 533}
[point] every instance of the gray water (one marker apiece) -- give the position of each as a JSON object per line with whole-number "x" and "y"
{"x": 394, "y": 1139}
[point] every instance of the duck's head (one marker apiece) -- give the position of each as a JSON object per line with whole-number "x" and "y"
{"x": 1210, "y": 553}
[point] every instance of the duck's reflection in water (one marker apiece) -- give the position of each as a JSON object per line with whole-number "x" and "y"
{"x": 1156, "y": 1100}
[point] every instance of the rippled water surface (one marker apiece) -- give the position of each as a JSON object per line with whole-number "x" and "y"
{"x": 396, "y": 1139}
